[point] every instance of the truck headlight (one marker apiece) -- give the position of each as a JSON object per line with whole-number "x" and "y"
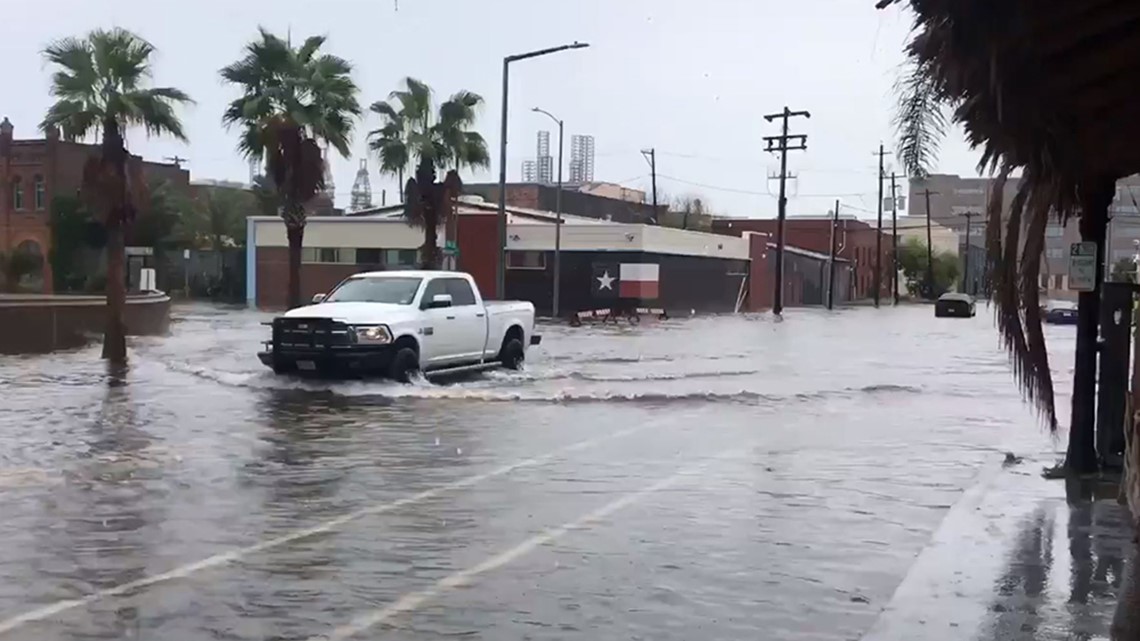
{"x": 372, "y": 335}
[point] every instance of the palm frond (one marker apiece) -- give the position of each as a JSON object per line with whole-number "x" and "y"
{"x": 74, "y": 120}
{"x": 920, "y": 119}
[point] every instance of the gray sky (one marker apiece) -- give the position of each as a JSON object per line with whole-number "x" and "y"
{"x": 691, "y": 78}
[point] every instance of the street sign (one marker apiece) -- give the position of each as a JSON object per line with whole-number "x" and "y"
{"x": 1082, "y": 266}
{"x": 450, "y": 248}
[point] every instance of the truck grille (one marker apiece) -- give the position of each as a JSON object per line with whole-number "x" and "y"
{"x": 309, "y": 334}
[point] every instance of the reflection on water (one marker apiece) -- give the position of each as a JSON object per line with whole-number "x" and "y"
{"x": 857, "y": 430}
{"x": 1044, "y": 596}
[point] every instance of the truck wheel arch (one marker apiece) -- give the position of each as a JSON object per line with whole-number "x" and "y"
{"x": 408, "y": 341}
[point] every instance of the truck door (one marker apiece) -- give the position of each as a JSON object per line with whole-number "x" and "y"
{"x": 440, "y": 332}
{"x": 469, "y": 318}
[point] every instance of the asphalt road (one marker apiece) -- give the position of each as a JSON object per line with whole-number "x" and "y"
{"x": 708, "y": 478}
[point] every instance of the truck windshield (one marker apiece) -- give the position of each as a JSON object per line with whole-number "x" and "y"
{"x": 394, "y": 291}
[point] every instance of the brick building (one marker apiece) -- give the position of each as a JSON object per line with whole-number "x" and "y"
{"x": 855, "y": 244}
{"x": 32, "y": 173}
{"x": 575, "y": 203}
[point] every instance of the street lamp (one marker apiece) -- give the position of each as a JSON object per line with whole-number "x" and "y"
{"x": 557, "y": 214}
{"x": 501, "y": 272}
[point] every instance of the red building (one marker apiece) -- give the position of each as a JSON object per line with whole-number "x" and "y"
{"x": 32, "y": 173}
{"x": 855, "y": 242}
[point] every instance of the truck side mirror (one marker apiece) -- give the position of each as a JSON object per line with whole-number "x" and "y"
{"x": 439, "y": 300}
{"x": 318, "y": 298}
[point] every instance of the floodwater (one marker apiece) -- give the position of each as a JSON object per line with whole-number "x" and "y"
{"x": 707, "y": 478}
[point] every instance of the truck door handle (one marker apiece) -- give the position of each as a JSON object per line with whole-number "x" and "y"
{"x": 479, "y": 315}
{"x": 450, "y": 318}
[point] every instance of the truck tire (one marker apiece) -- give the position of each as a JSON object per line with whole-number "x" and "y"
{"x": 283, "y": 367}
{"x": 405, "y": 364}
{"x": 513, "y": 354}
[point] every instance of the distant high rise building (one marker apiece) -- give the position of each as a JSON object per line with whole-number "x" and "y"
{"x": 545, "y": 164}
{"x": 254, "y": 170}
{"x": 361, "y": 189}
{"x": 581, "y": 159}
{"x": 529, "y": 171}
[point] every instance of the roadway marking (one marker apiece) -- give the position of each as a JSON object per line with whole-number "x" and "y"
{"x": 225, "y": 558}
{"x": 413, "y": 600}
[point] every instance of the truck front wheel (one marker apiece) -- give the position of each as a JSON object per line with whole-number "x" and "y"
{"x": 405, "y": 365}
{"x": 513, "y": 353}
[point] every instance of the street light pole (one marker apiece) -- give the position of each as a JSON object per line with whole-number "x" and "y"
{"x": 501, "y": 271}
{"x": 557, "y": 217}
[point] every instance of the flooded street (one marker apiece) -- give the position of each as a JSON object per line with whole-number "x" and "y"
{"x": 712, "y": 478}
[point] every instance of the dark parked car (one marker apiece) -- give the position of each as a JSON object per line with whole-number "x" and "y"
{"x": 1060, "y": 312}
{"x": 954, "y": 305}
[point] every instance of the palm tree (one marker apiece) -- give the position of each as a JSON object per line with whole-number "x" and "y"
{"x": 293, "y": 100}
{"x": 414, "y": 134}
{"x": 100, "y": 88}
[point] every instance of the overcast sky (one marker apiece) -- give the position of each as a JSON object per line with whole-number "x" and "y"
{"x": 691, "y": 78}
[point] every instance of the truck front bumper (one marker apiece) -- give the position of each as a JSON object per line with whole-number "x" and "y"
{"x": 355, "y": 361}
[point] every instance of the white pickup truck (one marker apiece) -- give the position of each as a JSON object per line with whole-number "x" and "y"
{"x": 397, "y": 323}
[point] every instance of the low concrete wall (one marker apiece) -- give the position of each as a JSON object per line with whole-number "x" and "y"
{"x": 35, "y": 323}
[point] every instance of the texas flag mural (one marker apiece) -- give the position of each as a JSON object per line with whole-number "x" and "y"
{"x": 626, "y": 280}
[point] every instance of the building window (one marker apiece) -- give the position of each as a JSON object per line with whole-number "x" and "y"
{"x": 1055, "y": 252}
{"x": 1058, "y": 281}
{"x": 328, "y": 255}
{"x": 38, "y": 193}
{"x": 526, "y": 260}
{"x": 370, "y": 257}
{"x": 1054, "y": 231}
{"x": 395, "y": 258}
{"x": 17, "y": 193}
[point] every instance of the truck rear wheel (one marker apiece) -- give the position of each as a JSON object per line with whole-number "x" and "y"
{"x": 513, "y": 353}
{"x": 405, "y": 365}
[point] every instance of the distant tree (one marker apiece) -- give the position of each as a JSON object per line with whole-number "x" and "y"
{"x": 689, "y": 211}
{"x": 100, "y": 88}
{"x": 292, "y": 100}
{"x": 912, "y": 262}
{"x": 158, "y": 221}
{"x": 218, "y": 218}
{"x": 1124, "y": 271}
{"x": 74, "y": 231}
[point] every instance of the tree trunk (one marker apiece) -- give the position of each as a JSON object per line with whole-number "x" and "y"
{"x": 431, "y": 240}
{"x": 115, "y": 333}
{"x": 114, "y": 158}
{"x": 1081, "y": 457}
{"x": 295, "y": 236}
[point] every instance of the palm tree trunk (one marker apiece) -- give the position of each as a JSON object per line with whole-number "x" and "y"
{"x": 115, "y": 158}
{"x": 431, "y": 239}
{"x": 294, "y": 215}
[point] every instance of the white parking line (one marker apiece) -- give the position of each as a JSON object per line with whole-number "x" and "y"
{"x": 414, "y": 600}
{"x": 184, "y": 571}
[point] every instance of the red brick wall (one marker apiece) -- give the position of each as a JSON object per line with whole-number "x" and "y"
{"x": 760, "y": 274}
{"x": 273, "y": 277}
{"x": 478, "y": 242}
{"x": 855, "y": 242}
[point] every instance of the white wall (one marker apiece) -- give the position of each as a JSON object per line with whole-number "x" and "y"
{"x": 342, "y": 232}
{"x": 619, "y": 237}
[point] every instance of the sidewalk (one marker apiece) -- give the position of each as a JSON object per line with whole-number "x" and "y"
{"x": 1013, "y": 560}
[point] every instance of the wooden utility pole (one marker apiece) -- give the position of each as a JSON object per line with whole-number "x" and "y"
{"x": 894, "y": 239}
{"x": 651, "y": 158}
{"x": 966, "y": 280}
{"x": 783, "y": 143}
{"x": 831, "y": 258}
{"x": 929, "y": 247}
{"x": 879, "y": 231}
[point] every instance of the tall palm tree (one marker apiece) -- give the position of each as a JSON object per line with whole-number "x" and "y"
{"x": 414, "y": 134}
{"x": 100, "y": 88}
{"x": 293, "y": 100}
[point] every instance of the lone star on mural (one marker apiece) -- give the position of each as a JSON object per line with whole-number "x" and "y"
{"x": 605, "y": 281}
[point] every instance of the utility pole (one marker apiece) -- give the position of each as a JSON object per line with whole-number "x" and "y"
{"x": 929, "y": 247}
{"x": 966, "y": 280}
{"x": 831, "y": 258}
{"x": 894, "y": 238}
{"x": 651, "y": 158}
{"x": 879, "y": 231}
{"x": 798, "y": 142}
{"x": 176, "y": 160}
